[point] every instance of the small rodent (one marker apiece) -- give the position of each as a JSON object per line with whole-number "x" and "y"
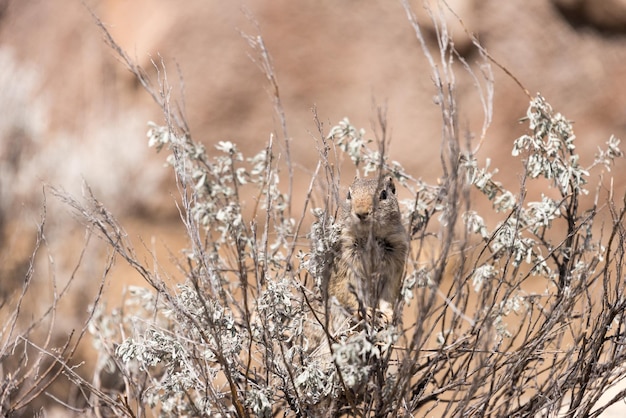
{"x": 372, "y": 248}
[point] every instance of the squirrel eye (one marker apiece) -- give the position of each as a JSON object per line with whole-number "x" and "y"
{"x": 383, "y": 194}
{"x": 348, "y": 196}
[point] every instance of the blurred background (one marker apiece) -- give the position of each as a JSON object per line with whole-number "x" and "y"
{"x": 70, "y": 112}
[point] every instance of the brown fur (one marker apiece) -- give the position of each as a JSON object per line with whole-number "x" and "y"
{"x": 372, "y": 250}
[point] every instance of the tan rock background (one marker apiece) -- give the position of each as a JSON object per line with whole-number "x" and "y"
{"x": 70, "y": 111}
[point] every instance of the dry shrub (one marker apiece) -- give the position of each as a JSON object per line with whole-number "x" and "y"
{"x": 524, "y": 318}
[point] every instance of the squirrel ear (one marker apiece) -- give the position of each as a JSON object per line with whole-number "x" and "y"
{"x": 389, "y": 183}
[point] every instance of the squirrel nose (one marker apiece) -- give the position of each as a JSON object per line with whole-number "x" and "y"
{"x": 362, "y": 215}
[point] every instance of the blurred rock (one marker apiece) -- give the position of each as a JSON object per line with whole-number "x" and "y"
{"x": 460, "y": 17}
{"x": 606, "y": 15}
{"x": 334, "y": 55}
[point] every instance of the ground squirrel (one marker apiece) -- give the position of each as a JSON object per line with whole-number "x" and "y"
{"x": 372, "y": 249}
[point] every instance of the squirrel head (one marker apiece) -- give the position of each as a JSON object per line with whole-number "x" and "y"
{"x": 371, "y": 200}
